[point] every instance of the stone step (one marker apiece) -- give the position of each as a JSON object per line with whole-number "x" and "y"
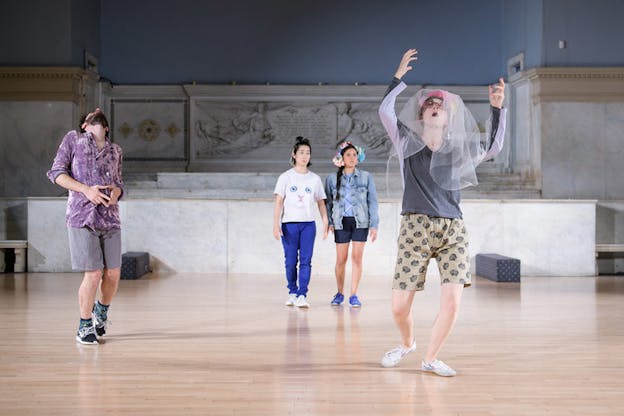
{"x": 240, "y": 185}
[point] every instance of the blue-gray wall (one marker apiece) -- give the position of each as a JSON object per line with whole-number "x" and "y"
{"x": 48, "y": 33}
{"x": 309, "y": 41}
{"x": 522, "y": 31}
{"x": 306, "y": 41}
{"x": 593, "y": 31}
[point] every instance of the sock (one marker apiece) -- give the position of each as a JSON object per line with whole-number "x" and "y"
{"x": 101, "y": 310}
{"x": 85, "y": 323}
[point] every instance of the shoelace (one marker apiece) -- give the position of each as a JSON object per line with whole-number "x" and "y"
{"x": 397, "y": 350}
{"x": 86, "y": 330}
{"x": 102, "y": 323}
{"x": 438, "y": 365}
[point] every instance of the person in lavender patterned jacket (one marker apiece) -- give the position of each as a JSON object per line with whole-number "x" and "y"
{"x": 88, "y": 164}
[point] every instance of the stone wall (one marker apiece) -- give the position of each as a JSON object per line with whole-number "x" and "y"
{"x": 235, "y": 236}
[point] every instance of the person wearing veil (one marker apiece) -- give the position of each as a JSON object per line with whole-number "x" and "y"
{"x": 438, "y": 146}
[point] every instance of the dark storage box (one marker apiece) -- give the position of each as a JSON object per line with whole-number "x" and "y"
{"x": 134, "y": 264}
{"x": 498, "y": 268}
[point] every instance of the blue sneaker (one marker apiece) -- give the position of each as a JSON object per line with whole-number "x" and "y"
{"x": 354, "y": 302}
{"x": 338, "y": 299}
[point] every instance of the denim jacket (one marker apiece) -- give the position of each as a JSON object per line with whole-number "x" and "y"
{"x": 363, "y": 196}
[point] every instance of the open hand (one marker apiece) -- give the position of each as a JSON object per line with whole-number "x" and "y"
{"x": 497, "y": 93}
{"x": 404, "y": 66}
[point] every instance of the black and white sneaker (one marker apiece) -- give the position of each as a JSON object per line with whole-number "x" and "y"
{"x": 86, "y": 335}
{"x": 99, "y": 324}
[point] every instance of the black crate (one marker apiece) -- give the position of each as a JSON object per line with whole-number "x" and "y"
{"x": 497, "y": 268}
{"x": 134, "y": 264}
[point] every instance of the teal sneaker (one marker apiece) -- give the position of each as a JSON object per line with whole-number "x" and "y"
{"x": 86, "y": 335}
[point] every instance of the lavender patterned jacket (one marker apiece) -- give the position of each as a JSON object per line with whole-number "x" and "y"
{"x": 79, "y": 157}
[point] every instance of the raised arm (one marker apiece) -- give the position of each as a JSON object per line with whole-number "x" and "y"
{"x": 405, "y": 64}
{"x": 497, "y": 120}
{"x": 387, "y": 112}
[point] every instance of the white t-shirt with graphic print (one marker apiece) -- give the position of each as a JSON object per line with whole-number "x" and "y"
{"x": 301, "y": 192}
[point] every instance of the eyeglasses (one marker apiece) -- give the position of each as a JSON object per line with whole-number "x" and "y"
{"x": 432, "y": 102}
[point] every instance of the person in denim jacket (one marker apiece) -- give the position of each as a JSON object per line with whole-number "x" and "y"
{"x": 353, "y": 215}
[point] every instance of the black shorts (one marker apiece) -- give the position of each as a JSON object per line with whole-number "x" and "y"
{"x": 350, "y": 232}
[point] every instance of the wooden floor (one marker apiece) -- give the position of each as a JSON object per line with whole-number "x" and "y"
{"x": 183, "y": 344}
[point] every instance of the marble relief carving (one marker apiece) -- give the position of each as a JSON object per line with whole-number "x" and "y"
{"x": 149, "y": 130}
{"x": 360, "y": 123}
{"x": 172, "y": 129}
{"x": 243, "y": 128}
{"x": 125, "y": 130}
{"x": 232, "y": 129}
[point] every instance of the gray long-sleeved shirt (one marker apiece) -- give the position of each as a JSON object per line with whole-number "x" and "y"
{"x": 422, "y": 195}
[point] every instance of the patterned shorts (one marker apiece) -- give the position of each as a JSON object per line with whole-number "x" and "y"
{"x": 421, "y": 238}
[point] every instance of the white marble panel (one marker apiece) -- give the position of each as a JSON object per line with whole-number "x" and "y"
{"x": 30, "y": 133}
{"x": 574, "y": 151}
{"x": 484, "y": 222}
{"x": 520, "y": 122}
{"x": 253, "y": 249}
{"x": 551, "y": 238}
{"x": 614, "y": 150}
{"x": 180, "y": 235}
{"x": 13, "y": 219}
{"x": 48, "y": 245}
{"x": 251, "y": 246}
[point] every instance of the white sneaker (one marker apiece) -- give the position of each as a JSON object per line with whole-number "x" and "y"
{"x": 301, "y": 302}
{"x": 291, "y": 299}
{"x": 438, "y": 367}
{"x": 392, "y": 357}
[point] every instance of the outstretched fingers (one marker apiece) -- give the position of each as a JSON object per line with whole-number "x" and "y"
{"x": 497, "y": 93}
{"x": 404, "y": 66}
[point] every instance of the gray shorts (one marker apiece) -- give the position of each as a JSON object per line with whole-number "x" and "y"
{"x": 94, "y": 249}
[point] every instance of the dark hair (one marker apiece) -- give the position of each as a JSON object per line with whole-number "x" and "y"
{"x": 300, "y": 141}
{"x": 341, "y": 168}
{"x": 98, "y": 118}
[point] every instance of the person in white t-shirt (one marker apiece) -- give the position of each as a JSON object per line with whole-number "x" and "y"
{"x": 298, "y": 194}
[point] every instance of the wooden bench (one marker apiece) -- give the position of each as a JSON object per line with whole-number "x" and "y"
{"x": 609, "y": 250}
{"x": 19, "y": 247}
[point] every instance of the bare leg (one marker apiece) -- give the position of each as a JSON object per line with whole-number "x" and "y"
{"x": 110, "y": 283}
{"x": 87, "y": 292}
{"x": 342, "y": 252}
{"x": 357, "y": 253}
{"x": 450, "y": 300}
{"x": 402, "y": 313}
